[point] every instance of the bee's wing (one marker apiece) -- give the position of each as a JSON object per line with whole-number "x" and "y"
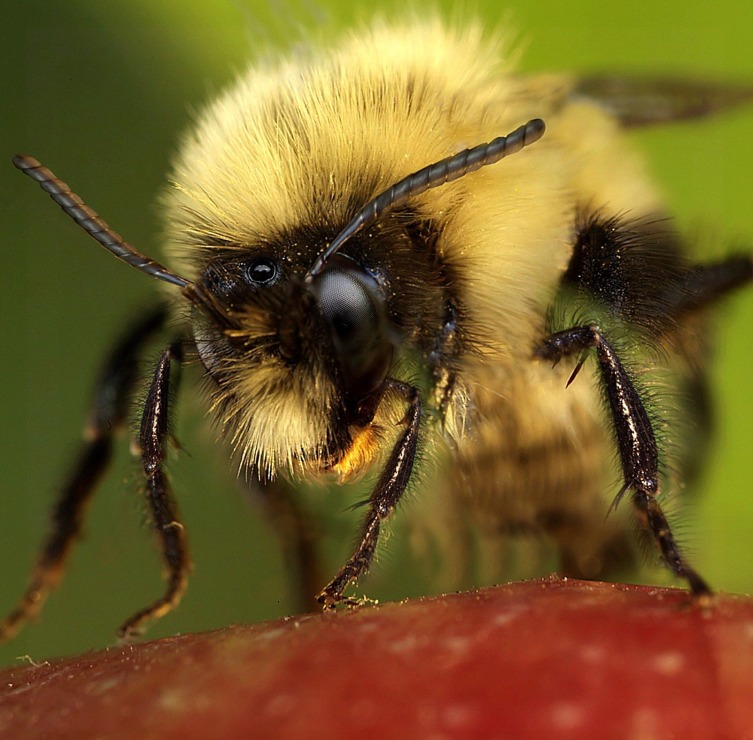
{"x": 644, "y": 101}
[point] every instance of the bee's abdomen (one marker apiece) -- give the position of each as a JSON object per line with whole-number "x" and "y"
{"x": 539, "y": 460}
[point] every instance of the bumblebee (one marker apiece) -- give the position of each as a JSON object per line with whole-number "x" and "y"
{"x": 363, "y": 282}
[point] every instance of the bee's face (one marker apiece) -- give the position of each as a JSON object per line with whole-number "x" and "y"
{"x": 302, "y": 366}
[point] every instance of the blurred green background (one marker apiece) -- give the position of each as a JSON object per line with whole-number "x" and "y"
{"x": 100, "y": 92}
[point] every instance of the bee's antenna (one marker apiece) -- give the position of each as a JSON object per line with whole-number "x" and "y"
{"x": 91, "y": 223}
{"x": 439, "y": 173}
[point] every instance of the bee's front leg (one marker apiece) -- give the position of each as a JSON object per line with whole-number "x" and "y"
{"x": 153, "y": 439}
{"x": 384, "y": 498}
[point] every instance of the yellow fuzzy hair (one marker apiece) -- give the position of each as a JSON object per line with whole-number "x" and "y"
{"x": 290, "y": 142}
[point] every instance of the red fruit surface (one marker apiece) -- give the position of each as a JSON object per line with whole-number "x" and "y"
{"x": 540, "y": 659}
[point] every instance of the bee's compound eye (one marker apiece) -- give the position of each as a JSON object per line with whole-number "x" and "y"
{"x": 346, "y": 305}
{"x": 353, "y": 306}
{"x": 262, "y": 271}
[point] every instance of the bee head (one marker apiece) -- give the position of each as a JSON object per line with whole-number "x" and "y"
{"x": 296, "y": 363}
{"x": 303, "y": 337}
